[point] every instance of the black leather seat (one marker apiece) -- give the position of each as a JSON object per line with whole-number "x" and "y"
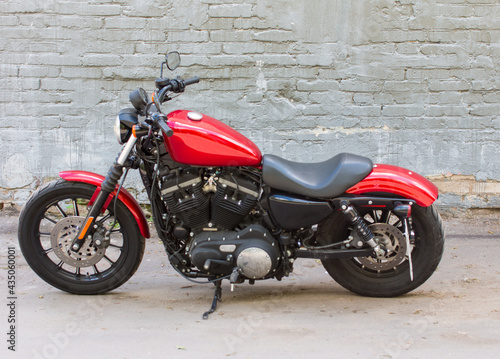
{"x": 326, "y": 179}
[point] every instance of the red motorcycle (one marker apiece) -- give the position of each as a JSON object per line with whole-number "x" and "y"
{"x": 224, "y": 211}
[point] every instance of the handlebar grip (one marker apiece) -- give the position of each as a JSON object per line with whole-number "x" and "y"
{"x": 192, "y": 80}
{"x": 165, "y": 128}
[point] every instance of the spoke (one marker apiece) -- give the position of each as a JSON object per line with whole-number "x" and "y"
{"x": 44, "y": 234}
{"x": 61, "y": 210}
{"x": 118, "y": 230}
{"x": 75, "y": 205}
{"x": 103, "y": 219}
{"x": 60, "y": 264}
{"x": 47, "y": 251}
{"x": 95, "y": 269}
{"x": 386, "y": 215}
{"x": 109, "y": 260}
{"x": 77, "y": 272}
{"x": 115, "y": 246}
{"x": 50, "y": 219}
{"x": 375, "y": 216}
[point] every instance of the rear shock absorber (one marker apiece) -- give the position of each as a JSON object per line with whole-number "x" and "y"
{"x": 362, "y": 228}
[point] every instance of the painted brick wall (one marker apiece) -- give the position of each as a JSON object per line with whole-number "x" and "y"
{"x": 410, "y": 83}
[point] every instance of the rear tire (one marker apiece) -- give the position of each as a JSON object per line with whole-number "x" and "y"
{"x": 50, "y": 220}
{"x": 356, "y": 275}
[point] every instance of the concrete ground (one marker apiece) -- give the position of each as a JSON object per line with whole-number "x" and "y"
{"x": 157, "y": 314}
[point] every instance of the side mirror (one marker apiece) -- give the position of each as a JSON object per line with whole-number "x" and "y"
{"x": 173, "y": 60}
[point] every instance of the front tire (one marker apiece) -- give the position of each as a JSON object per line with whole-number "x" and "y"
{"x": 50, "y": 220}
{"x": 365, "y": 276}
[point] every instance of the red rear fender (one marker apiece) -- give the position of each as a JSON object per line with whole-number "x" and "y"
{"x": 125, "y": 197}
{"x": 399, "y": 181}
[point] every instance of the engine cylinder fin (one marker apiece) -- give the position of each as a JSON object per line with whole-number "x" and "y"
{"x": 184, "y": 196}
{"x": 236, "y": 196}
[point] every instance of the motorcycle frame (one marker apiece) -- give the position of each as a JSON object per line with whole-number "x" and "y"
{"x": 383, "y": 179}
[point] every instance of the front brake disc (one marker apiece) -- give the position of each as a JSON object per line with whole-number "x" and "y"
{"x": 61, "y": 238}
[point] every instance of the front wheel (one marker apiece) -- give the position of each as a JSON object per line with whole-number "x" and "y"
{"x": 49, "y": 222}
{"x": 390, "y": 276}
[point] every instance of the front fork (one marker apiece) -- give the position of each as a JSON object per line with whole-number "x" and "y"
{"x": 107, "y": 188}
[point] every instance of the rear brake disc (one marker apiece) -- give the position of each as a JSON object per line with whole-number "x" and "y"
{"x": 393, "y": 241}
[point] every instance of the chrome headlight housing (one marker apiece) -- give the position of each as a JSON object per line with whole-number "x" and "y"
{"x": 126, "y": 119}
{"x": 118, "y": 131}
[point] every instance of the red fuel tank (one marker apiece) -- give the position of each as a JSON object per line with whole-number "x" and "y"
{"x": 200, "y": 140}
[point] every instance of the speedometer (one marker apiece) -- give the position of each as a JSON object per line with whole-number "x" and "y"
{"x": 139, "y": 98}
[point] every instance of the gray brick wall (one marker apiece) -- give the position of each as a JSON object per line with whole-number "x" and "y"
{"x": 410, "y": 83}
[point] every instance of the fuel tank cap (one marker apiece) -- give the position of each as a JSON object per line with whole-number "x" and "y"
{"x": 195, "y": 116}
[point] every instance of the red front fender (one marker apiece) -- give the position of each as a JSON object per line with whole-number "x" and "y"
{"x": 125, "y": 197}
{"x": 399, "y": 181}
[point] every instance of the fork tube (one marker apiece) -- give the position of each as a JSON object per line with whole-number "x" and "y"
{"x": 107, "y": 187}
{"x": 126, "y": 151}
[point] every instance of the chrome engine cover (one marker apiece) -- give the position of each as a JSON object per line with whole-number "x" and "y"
{"x": 254, "y": 262}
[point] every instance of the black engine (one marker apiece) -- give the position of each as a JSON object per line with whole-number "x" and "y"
{"x": 182, "y": 191}
{"x": 213, "y": 213}
{"x": 253, "y": 250}
{"x": 211, "y": 200}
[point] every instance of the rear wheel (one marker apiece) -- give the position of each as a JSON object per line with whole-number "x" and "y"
{"x": 49, "y": 222}
{"x": 389, "y": 276}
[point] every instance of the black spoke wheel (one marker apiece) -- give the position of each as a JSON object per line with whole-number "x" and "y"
{"x": 389, "y": 276}
{"x": 49, "y": 222}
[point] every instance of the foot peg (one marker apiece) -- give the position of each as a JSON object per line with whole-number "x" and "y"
{"x": 234, "y": 277}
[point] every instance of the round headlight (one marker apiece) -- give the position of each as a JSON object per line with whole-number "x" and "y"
{"x": 118, "y": 134}
{"x": 125, "y": 120}
{"x": 122, "y": 132}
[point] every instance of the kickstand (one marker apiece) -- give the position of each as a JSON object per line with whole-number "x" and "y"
{"x": 217, "y": 298}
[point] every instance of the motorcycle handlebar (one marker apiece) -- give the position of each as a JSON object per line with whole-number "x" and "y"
{"x": 165, "y": 128}
{"x": 177, "y": 85}
{"x": 192, "y": 80}
{"x": 159, "y": 119}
